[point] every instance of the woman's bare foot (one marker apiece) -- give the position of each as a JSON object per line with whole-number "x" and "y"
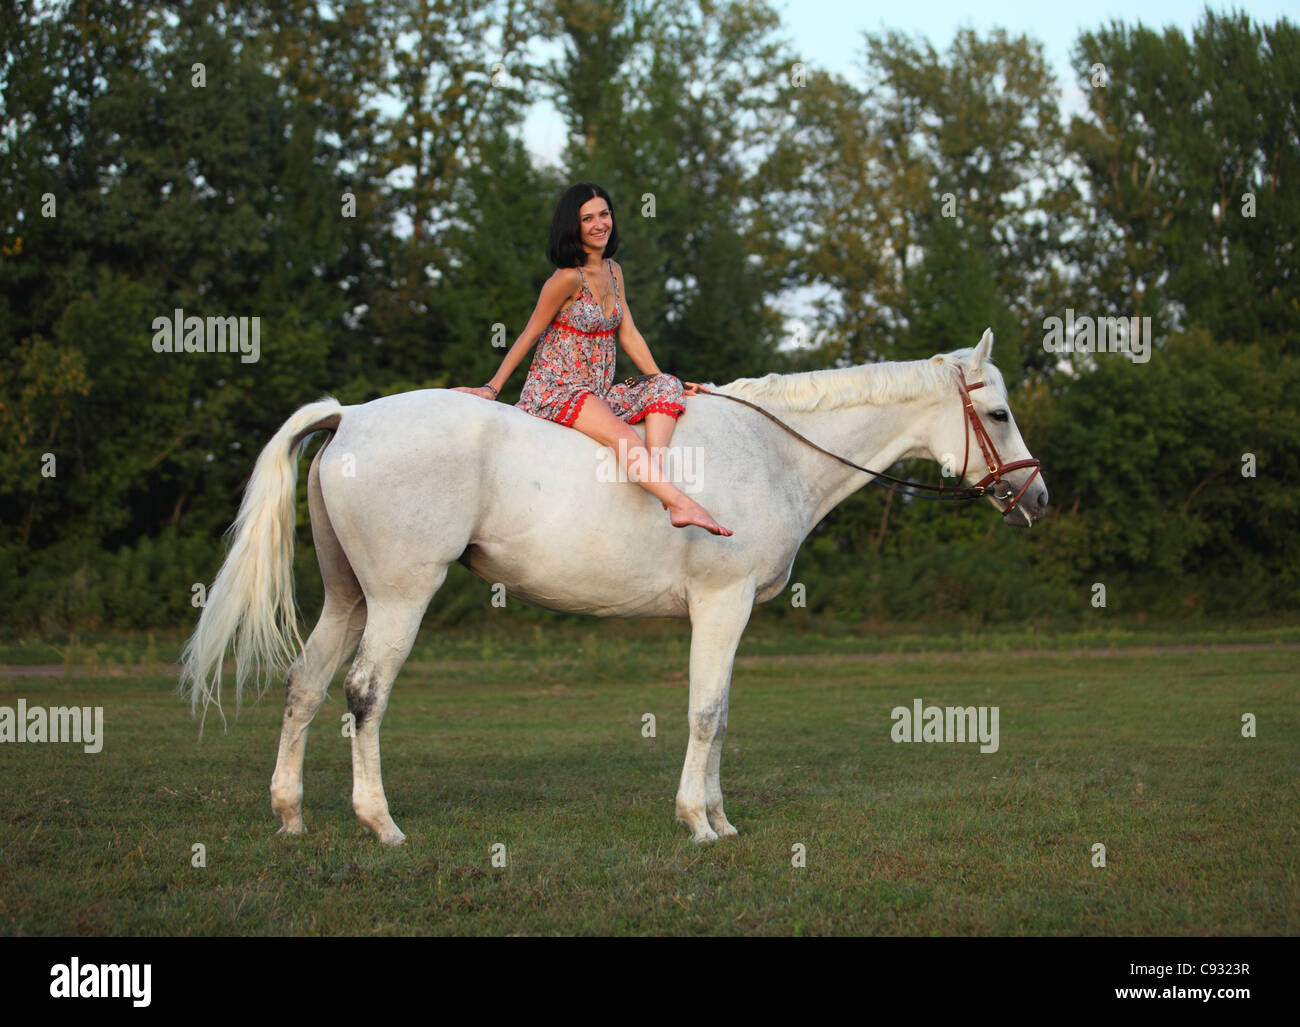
{"x": 687, "y": 511}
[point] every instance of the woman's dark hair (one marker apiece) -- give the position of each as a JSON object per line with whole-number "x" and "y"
{"x": 565, "y": 248}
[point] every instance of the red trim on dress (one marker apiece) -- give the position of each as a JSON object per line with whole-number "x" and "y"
{"x": 579, "y": 331}
{"x": 660, "y": 407}
{"x": 567, "y": 417}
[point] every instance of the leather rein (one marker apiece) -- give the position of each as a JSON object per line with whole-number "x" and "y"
{"x": 1001, "y": 489}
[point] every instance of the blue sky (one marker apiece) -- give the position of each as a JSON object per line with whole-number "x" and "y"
{"x": 1055, "y": 25}
{"x": 829, "y": 33}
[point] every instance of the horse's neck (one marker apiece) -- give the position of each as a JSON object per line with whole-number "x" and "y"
{"x": 871, "y": 436}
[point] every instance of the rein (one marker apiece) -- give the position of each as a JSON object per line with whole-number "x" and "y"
{"x": 1002, "y": 490}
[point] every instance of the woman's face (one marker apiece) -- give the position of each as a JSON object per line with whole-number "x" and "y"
{"x": 595, "y": 221}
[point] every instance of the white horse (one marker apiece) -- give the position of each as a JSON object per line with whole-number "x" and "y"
{"x": 410, "y": 483}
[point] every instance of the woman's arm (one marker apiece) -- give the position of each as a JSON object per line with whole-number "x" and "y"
{"x": 634, "y": 345}
{"x": 558, "y": 289}
{"x": 629, "y": 338}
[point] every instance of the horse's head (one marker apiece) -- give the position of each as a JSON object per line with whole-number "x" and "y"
{"x": 975, "y": 430}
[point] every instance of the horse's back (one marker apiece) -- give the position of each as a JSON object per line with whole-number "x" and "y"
{"x": 543, "y": 509}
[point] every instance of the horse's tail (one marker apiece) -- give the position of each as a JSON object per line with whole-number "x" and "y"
{"x": 251, "y": 599}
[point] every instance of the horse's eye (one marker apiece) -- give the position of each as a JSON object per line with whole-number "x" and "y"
{"x": 1000, "y": 415}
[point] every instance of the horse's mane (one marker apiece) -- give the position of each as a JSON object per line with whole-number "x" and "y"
{"x": 890, "y": 381}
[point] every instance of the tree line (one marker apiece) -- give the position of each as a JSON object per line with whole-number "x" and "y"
{"x": 353, "y": 175}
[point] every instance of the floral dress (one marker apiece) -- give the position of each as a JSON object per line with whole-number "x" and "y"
{"x": 575, "y": 359}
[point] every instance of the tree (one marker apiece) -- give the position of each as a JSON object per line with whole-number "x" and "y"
{"x": 665, "y": 103}
{"x": 971, "y": 136}
{"x": 1191, "y": 150}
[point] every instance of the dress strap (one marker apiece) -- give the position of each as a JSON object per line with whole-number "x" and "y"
{"x": 585, "y": 286}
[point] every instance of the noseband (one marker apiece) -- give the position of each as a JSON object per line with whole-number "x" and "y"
{"x": 1001, "y": 489}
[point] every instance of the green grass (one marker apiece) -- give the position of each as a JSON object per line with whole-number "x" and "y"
{"x": 543, "y": 753}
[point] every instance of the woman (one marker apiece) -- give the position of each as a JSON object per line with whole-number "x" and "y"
{"x": 580, "y": 310}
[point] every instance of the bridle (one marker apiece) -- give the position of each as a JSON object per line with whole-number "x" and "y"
{"x": 1000, "y": 488}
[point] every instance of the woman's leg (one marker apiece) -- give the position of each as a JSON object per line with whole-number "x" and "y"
{"x": 658, "y": 433}
{"x": 598, "y": 422}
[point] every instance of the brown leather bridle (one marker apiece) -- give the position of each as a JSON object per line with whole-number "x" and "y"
{"x": 997, "y": 469}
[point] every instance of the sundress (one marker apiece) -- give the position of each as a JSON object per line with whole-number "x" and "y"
{"x": 575, "y": 359}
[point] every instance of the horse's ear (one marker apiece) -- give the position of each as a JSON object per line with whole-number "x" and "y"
{"x": 981, "y": 353}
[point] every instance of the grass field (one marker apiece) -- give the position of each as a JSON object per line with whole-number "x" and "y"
{"x": 542, "y": 751}
{"x": 766, "y": 635}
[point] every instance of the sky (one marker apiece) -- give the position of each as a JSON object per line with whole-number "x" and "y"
{"x": 829, "y": 33}
{"x": 1055, "y": 25}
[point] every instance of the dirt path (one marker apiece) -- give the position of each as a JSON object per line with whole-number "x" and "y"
{"x": 1025, "y": 654}
{"x": 54, "y": 670}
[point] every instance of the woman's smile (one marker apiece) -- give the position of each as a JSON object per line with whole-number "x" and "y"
{"x": 596, "y": 220}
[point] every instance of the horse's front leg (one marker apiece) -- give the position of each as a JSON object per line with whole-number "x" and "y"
{"x": 716, "y": 627}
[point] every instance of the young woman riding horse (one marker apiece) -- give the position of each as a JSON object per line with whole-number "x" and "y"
{"x": 571, "y": 377}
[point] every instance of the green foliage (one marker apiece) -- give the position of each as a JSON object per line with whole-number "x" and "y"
{"x": 1154, "y": 456}
{"x": 662, "y": 103}
{"x": 76, "y": 584}
{"x": 352, "y": 174}
{"x": 1192, "y": 152}
{"x": 892, "y": 186}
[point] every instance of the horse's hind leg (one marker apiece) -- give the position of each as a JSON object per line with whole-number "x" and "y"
{"x": 390, "y": 633}
{"x": 330, "y": 643}
{"x": 334, "y": 637}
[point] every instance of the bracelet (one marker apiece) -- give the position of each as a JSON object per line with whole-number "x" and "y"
{"x": 489, "y": 386}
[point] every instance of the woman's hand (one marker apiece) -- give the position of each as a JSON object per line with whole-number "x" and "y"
{"x": 690, "y": 388}
{"x": 482, "y": 391}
